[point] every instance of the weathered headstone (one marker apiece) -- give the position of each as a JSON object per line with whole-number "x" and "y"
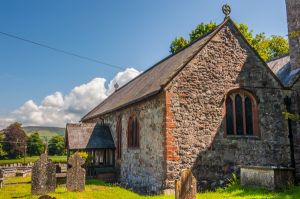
{"x": 1, "y": 178}
{"x": 186, "y": 185}
{"x": 43, "y": 176}
{"x": 76, "y": 174}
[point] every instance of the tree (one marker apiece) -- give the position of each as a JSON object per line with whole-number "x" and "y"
{"x": 14, "y": 140}
{"x": 201, "y": 30}
{"x": 56, "y": 146}
{"x": 267, "y": 47}
{"x": 3, "y": 153}
{"x": 35, "y": 144}
{"x": 177, "y": 44}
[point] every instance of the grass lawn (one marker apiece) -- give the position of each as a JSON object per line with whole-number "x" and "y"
{"x": 33, "y": 159}
{"x": 98, "y": 190}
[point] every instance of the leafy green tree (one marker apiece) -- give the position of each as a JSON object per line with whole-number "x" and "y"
{"x": 3, "y": 153}
{"x": 267, "y": 47}
{"x": 278, "y": 46}
{"x": 177, "y": 44}
{"x": 56, "y": 146}
{"x": 14, "y": 140}
{"x": 201, "y": 30}
{"x": 35, "y": 144}
{"x": 244, "y": 29}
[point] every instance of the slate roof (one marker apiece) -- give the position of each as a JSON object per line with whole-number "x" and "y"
{"x": 282, "y": 68}
{"x": 152, "y": 80}
{"x": 89, "y": 136}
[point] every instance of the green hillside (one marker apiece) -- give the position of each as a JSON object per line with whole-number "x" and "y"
{"x": 45, "y": 132}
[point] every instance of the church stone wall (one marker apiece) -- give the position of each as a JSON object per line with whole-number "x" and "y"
{"x": 143, "y": 168}
{"x": 295, "y": 109}
{"x": 195, "y": 114}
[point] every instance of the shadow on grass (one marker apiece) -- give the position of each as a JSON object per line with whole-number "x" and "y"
{"x": 252, "y": 192}
{"x": 23, "y": 196}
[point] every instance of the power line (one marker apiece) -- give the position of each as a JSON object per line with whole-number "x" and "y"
{"x": 61, "y": 51}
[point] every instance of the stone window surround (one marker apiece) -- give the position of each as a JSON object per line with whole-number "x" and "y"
{"x": 132, "y": 117}
{"x": 255, "y": 115}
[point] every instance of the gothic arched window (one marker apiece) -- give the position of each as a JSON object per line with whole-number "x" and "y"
{"x": 133, "y": 134}
{"x": 241, "y": 114}
{"x": 229, "y": 116}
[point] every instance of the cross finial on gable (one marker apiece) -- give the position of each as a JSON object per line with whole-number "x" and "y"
{"x": 226, "y": 10}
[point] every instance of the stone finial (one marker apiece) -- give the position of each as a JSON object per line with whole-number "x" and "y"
{"x": 76, "y": 174}
{"x": 226, "y": 10}
{"x": 43, "y": 176}
{"x": 186, "y": 185}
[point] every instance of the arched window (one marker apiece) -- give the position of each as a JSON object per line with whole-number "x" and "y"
{"x": 133, "y": 132}
{"x": 229, "y": 116}
{"x": 119, "y": 137}
{"x": 249, "y": 116}
{"x": 241, "y": 114}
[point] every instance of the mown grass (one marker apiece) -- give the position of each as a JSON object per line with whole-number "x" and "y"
{"x": 12, "y": 180}
{"x": 33, "y": 159}
{"x": 99, "y": 190}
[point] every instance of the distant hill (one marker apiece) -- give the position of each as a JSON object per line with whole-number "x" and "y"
{"x": 45, "y": 132}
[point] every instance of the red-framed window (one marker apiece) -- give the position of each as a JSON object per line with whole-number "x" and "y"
{"x": 133, "y": 133}
{"x": 241, "y": 116}
{"x": 119, "y": 137}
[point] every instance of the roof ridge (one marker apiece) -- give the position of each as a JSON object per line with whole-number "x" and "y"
{"x": 278, "y": 57}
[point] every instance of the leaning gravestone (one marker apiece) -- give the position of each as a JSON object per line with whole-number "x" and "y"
{"x": 76, "y": 174}
{"x": 186, "y": 185}
{"x": 43, "y": 176}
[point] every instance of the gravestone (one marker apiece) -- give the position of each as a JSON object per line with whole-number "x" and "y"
{"x": 1, "y": 178}
{"x": 76, "y": 174}
{"x": 43, "y": 176}
{"x": 186, "y": 185}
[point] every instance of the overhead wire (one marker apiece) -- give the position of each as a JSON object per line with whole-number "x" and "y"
{"x": 61, "y": 50}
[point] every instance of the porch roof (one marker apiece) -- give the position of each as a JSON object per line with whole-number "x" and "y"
{"x": 88, "y": 136}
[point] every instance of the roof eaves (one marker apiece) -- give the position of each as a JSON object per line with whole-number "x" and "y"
{"x": 123, "y": 106}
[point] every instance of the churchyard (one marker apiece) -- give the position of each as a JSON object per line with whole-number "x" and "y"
{"x": 97, "y": 189}
{"x": 31, "y": 159}
{"x": 43, "y": 181}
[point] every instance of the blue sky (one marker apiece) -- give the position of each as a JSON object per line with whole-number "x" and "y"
{"x": 132, "y": 33}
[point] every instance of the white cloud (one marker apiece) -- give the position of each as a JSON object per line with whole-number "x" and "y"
{"x": 58, "y": 109}
{"x": 122, "y": 78}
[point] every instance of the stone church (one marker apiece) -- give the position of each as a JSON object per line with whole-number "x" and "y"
{"x": 213, "y": 106}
